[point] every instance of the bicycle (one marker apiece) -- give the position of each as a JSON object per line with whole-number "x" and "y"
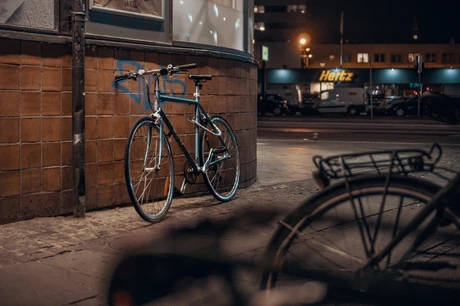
{"x": 384, "y": 232}
{"x": 149, "y": 163}
{"x": 191, "y": 255}
{"x": 187, "y": 266}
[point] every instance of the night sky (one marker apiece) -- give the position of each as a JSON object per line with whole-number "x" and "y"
{"x": 385, "y": 21}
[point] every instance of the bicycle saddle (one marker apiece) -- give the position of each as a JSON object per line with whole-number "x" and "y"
{"x": 200, "y": 77}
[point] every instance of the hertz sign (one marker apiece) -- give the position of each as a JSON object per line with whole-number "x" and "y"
{"x": 331, "y": 76}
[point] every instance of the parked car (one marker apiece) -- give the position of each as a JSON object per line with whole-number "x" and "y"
{"x": 342, "y": 100}
{"x": 443, "y": 107}
{"x": 406, "y": 106}
{"x": 273, "y": 104}
{"x": 308, "y": 105}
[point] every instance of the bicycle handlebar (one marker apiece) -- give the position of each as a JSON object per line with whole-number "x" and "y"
{"x": 162, "y": 71}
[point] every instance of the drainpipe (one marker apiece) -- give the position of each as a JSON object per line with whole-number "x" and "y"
{"x": 78, "y": 107}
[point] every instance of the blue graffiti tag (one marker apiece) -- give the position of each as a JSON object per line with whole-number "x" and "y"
{"x": 137, "y": 96}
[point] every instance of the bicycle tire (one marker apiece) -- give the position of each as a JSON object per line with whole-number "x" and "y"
{"x": 315, "y": 209}
{"x": 135, "y": 154}
{"x": 214, "y": 175}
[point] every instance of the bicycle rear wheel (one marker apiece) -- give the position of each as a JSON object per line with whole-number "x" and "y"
{"x": 335, "y": 233}
{"x": 150, "y": 188}
{"x": 222, "y": 175}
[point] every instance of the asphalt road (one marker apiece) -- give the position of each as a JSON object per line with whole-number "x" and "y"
{"x": 359, "y": 129}
{"x": 291, "y": 145}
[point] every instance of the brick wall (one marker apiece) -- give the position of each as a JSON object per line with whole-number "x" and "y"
{"x": 36, "y": 122}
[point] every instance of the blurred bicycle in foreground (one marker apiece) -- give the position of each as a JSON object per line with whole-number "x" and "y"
{"x": 385, "y": 232}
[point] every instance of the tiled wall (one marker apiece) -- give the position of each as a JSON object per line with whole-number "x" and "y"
{"x": 36, "y": 122}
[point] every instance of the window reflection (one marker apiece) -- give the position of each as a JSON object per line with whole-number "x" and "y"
{"x": 211, "y": 22}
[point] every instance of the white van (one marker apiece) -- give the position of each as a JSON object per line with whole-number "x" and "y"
{"x": 342, "y": 100}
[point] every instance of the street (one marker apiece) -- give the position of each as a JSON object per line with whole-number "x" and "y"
{"x": 359, "y": 129}
{"x": 292, "y": 145}
{"x": 68, "y": 261}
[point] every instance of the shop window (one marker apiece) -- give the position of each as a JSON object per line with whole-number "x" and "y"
{"x": 412, "y": 57}
{"x": 379, "y": 58}
{"x": 396, "y": 58}
{"x": 430, "y": 57}
{"x": 143, "y": 9}
{"x": 448, "y": 58}
{"x": 362, "y": 58}
{"x": 218, "y": 23}
{"x": 259, "y": 9}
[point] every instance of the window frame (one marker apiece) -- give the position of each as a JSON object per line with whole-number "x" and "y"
{"x": 379, "y": 57}
{"x": 256, "y": 7}
{"x": 347, "y": 57}
{"x": 414, "y": 55}
{"x": 396, "y": 55}
{"x": 430, "y": 57}
{"x": 362, "y": 55}
{"x": 448, "y": 58}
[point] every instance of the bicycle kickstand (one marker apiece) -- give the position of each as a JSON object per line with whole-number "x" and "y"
{"x": 183, "y": 186}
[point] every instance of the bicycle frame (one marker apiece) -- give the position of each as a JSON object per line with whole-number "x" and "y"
{"x": 161, "y": 119}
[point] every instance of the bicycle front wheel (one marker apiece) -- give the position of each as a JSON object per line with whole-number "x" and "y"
{"x": 149, "y": 170}
{"x": 222, "y": 171}
{"x": 335, "y": 233}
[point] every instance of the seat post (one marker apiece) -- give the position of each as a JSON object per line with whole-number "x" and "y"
{"x": 198, "y": 86}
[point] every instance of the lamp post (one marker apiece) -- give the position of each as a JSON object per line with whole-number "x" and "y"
{"x": 302, "y": 42}
{"x": 309, "y": 56}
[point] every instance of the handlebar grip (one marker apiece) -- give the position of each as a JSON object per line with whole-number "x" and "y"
{"x": 121, "y": 77}
{"x": 186, "y": 66}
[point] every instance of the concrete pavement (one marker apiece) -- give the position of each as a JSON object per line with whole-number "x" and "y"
{"x": 64, "y": 260}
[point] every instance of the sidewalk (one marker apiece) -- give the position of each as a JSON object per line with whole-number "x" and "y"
{"x": 64, "y": 260}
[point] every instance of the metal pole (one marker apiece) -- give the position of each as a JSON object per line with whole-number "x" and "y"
{"x": 419, "y": 92}
{"x": 78, "y": 106}
{"x": 341, "y": 39}
{"x": 264, "y": 88}
{"x": 370, "y": 76}
{"x": 419, "y": 70}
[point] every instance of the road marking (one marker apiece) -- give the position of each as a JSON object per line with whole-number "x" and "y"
{"x": 345, "y": 130}
{"x": 357, "y": 142}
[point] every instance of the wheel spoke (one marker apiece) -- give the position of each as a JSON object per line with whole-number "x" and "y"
{"x": 328, "y": 236}
{"x": 150, "y": 187}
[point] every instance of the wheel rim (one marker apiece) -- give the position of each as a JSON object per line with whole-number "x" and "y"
{"x": 399, "y": 112}
{"x": 323, "y": 239}
{"x": 150, "y": 190}
{"x": 277, "y": 111}
{"x": 222, "y": 178}
{"x": 352, "y": 111}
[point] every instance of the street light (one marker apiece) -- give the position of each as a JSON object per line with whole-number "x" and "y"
{"x": 304, "y": 41}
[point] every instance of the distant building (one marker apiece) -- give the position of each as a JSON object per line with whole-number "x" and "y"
{"x": 392, "y": 67}
{"x": 280, "y": 23}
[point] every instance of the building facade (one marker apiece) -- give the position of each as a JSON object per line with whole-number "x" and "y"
{"x": 36, "y": 88}
{"x": 388, "y": 69}
{"x": 280, "y": 21}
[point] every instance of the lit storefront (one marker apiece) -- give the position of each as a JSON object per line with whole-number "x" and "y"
{"x": 386, "y": 82}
